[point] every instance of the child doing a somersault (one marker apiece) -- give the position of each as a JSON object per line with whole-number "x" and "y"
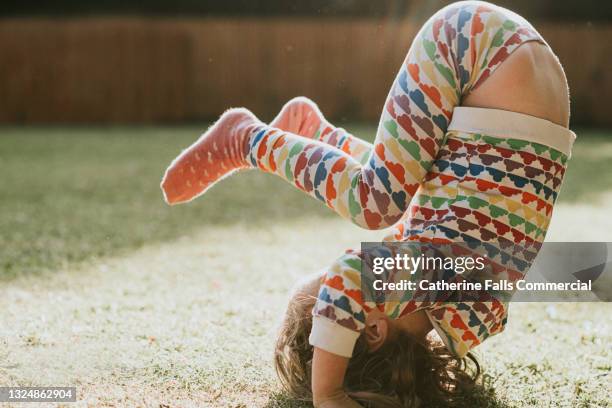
{"x": 472, "y": 145}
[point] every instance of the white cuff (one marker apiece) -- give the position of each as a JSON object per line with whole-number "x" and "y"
{"x": 441, "y": 333}
{"x": 512, "y": 125}
{"x": 330, "y": 336}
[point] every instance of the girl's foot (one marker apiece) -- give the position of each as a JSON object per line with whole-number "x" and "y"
{"x": 301, "y": 116}
{"x": 218, "y": 153}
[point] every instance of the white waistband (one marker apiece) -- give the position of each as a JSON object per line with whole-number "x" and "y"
{"x": 512, "y": 125}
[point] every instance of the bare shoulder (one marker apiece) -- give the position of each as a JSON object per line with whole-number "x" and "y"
{"x": 530, "y": 81}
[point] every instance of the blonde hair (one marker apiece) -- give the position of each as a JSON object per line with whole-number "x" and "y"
{"x": 402, "y": 373}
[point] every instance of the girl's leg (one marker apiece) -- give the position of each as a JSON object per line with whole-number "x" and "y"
{"x": 303, "y": 117}
{"x": 456, "y": 50}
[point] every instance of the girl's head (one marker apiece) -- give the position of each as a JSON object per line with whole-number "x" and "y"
{"x": 399, "y": 373}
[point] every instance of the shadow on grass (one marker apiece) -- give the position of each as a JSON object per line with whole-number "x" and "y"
{"x": 482, "y": 396}
{"x": 80, "y": 194}
{"x": 283, "y": 400}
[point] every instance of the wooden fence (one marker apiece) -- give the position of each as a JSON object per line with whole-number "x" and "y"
{"x": 147, "y": 70}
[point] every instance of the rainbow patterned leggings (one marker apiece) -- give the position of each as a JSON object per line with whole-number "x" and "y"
{"x": 435, "y": 172}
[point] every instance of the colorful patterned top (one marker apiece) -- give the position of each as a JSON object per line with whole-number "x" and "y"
{"x": 497, "y": 192}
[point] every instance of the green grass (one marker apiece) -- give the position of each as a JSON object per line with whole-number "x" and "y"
{"x": 76, "y": 194}
{"x": 70, "y": 195}
{"x": 135, "y": 303}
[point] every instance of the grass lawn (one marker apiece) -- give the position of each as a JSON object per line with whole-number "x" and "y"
{"x": 104, "y": 287}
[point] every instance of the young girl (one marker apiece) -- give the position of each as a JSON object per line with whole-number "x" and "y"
{"x": 472, "y": 146}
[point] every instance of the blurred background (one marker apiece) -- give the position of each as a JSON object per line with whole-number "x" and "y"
{"x": 160, "y": 61}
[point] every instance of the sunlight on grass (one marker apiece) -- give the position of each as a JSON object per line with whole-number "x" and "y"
{"x": 136, "y": 303}
{"x": 193, "y": 322}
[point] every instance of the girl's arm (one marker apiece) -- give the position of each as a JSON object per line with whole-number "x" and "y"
{"x": 328, "y": 372}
